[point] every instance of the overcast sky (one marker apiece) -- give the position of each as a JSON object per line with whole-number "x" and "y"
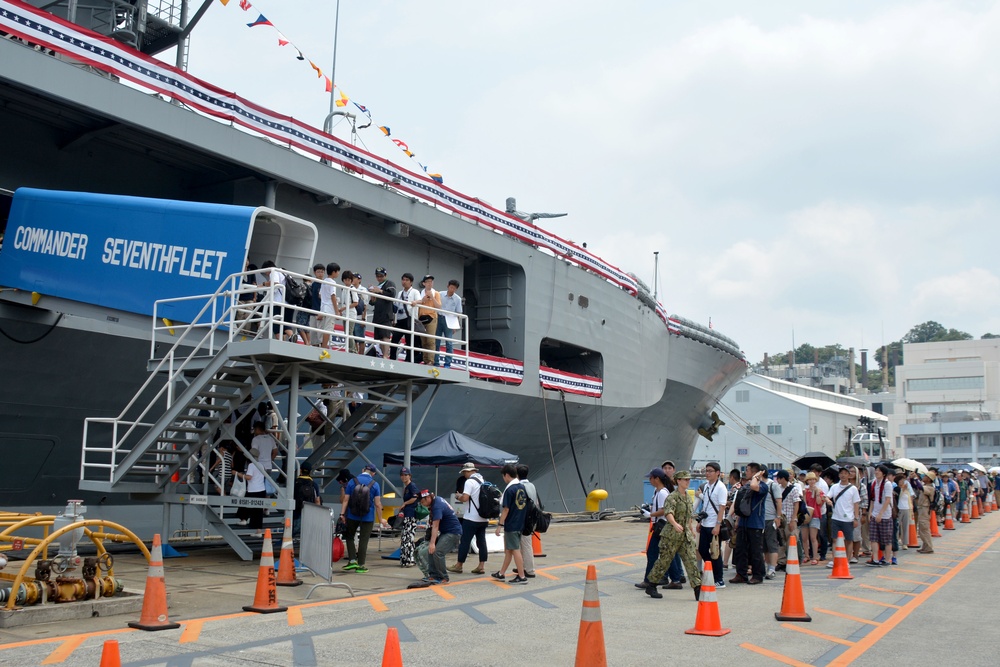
{"x": 827, "y": 168}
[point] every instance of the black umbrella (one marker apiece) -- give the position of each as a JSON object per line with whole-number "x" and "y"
{"x": 810, "y": 458}
{"x": 859, "y": 461}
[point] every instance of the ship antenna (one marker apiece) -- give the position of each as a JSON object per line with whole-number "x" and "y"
{"x": 656, "y": 273}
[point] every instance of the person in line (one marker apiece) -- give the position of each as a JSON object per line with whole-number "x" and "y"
{"x": 880, "y": 517}
{"x": 253, "y": 517}
{"x": 815, "y": 499}
{"x": 713, "y": 504}
{"x": 329, "y": 306}
{"x": 527, "y": 548}
{"x": 473, "y": 525}
{"x": 844, "y": 502}
{"x": 925, "y": 503}
{"x": 749, "y": 556}
{"x": 904, "y": 509}
{"x": 382, "y": 311}
{"x": 735, "y": 481}
{"x": 772, "y": 522}
{"x": 360, "y": 312}
{"x": 444, "y": 535}
{"x": 273, "y": 277}
{"x": 408, "y": 517}
{"x": 791, "y": 501}
{"x": 360, "y": 522}
{"x": 404, "y": 314}
{"x": 675, "y": 578}
{"x": 513, "y": 508}
{"x": 658, "y": 479}
{"x": 677, "y": 538}
{"x": 430, "y": 303}
{"x": 306, "y": 491}
{"x": 449, "y": 325}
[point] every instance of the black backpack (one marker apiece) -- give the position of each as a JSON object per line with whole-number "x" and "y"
{"x": 361, "y": 500}
{"x": 305, "y": 492}
{"x": 741, "y": 504}
{"x": 489, "y": 501}
{"x": 295, "y": 291}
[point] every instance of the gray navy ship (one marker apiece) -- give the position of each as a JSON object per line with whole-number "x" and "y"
{"x": 86, "y": 107}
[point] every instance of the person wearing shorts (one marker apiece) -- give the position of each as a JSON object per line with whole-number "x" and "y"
{"x": 514, "y": 507}
{"x": 844, "y": 501}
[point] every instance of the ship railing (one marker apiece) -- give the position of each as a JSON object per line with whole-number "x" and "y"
{"x": 174, "y": 363}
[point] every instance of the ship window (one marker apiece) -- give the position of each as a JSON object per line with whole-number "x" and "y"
{"x": 571, "y": 358}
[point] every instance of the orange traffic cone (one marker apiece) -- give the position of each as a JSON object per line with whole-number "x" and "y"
{"x": 841, "y": 568}
{"x": 949, "y": 523}
{"x": 536, "y": 546}
{"x": 995, "y": 507}
{"x": 965, "y": 513}
{"x": 154, "y": 601}
{"x": 793, "y": 607}
{"x": 913, "y": 543}
{"x": 975, "y": 508}
{"x": 286, "y": 564}
{"x": 707, "y": 622}
{"x": 987, "y": 507}
{"x": 590, "y": 644}
{"x": 934, "y": 525}
{"x": 265, "y": 599}
{"x": 392, "y": 656}
{"x": 109, "y": 655}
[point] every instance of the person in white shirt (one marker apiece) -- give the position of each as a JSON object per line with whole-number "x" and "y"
{"x": 658, "y": 479}
{"x": 473, "y": 525}
{"x": 273, "y": 277}
{"x": 404, "y": 313}
{"x": 880, "y": 521}
{"x": 360, "y": 313}
{"x": 844, "y": 501}
{"x": 904, "y": 508}
{"x": 328, "y": 304}
{"x": 451, "y": 326}
{"x": 713, "y": 504}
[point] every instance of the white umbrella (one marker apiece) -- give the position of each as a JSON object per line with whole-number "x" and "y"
{"x": 995, "y": 470}
{"x": 978, "y": 466}
{"x": 910, "y": 464}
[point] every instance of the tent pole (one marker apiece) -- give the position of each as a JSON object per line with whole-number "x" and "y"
{"x": 427, "y": 409}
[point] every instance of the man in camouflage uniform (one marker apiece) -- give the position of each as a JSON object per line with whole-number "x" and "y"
{"x": 677, "y": 538}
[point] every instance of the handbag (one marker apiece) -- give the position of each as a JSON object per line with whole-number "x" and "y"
{"x": 425, "y": 319}
{"x": 239, "y": 487}
{"x": 658, "y": 527}
{"x": 542, "y": 521}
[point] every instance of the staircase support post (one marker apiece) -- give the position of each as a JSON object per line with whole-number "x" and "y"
{"x": 291, "y": 458}
{"x": 408, "y": 425}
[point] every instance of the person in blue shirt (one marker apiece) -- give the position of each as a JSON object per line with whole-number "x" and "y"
{"x": 445, "y": 532}
{"x": 750, "y": 530}
{"x": 357, "y": 521}
{"x": 514, "y": 508}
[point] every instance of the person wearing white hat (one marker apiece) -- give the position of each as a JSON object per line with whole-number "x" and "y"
{"x": 473, "y": 525}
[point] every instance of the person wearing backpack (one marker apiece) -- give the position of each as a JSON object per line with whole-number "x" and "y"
{"x": 527, "y": 547}
{"x": 362, "y": 503}
{"x": 473, "y": 524}
{"x": 749, "y": 555}
{"x": 514, "y": 507}
{"x": 306, "y": 491}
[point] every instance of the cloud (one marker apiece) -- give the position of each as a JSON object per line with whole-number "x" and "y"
{"x": 968, "y": 292}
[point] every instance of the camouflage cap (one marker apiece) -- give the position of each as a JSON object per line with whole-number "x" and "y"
{"x": 682, "y": 474}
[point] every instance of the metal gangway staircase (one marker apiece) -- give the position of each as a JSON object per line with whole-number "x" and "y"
{"x": 226, "y": 366}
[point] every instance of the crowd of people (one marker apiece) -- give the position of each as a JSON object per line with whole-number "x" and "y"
{"x": 333, "y": 303}
{"x": 749, "y": 520}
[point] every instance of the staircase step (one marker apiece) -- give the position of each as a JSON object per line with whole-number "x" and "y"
{"x": 230, "y": 383}
{"x": 220, "y": 394}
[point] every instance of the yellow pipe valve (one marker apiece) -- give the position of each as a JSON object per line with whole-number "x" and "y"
{"x": 594, "y": 499}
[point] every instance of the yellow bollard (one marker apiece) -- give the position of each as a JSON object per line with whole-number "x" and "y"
{"x": 594, "y": 499}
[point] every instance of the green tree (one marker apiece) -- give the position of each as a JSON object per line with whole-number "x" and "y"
{"x": 987, "y": 336}
{"x": 932, "y": 332}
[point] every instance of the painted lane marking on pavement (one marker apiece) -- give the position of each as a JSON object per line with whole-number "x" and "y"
{"x": 64, "y": 651}
{"x": 544, "y": 604}
{"x": 923, "y": 574}
{"x": 886, "y": 590}
{"x": 775, "y": 656}
{"x": 856, "y": 619}
{"x": 303, "y": 651}
{"x": 814, "y": 633}
{"x": 442, "y": 592}
{"x": 478, "y": 616}
{"x": 374, "y": 601}
{"x": 881, "y": 604}
{"x": 191, "y": 632}
{"x": 906, "y": 581}
{"x": 294, "y": 617}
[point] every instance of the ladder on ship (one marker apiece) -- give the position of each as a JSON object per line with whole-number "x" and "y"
{"x": 216, "y": 374}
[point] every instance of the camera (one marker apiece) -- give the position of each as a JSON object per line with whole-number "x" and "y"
{"x": 700, "y": 516}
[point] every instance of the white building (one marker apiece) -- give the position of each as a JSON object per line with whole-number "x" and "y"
{"x": 948, "y": 402}
{"x": 773, "y": 422}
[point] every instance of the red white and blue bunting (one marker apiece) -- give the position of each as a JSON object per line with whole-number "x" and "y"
{"x": 486, "y": 367}
{"x": 571, "y": 383}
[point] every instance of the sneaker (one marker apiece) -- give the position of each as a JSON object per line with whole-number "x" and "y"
{"x": 830, "y": 565}
{"x": 769, "y": 575}
{"x": 720, "y": 584}
{"x": 498, "y": 576}
{"x": 529, "y": 575}
{"x": 872, "y": 563}
{"x": 438, "y": 582}
{"x": 351, "y": 565}
{"x": 243, "y": 522}
{"x": 518, "y": 580}
{"x": 882, "y": 563}
{"x": 361, "y": 569}
{"x": 894, "y": 561}
{"x": 853, "y": 561}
